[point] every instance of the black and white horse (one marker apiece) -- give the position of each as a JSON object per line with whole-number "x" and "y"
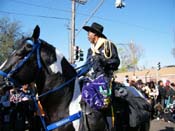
{"x": 48, "y": 68}
{"x": 39, "y": 62}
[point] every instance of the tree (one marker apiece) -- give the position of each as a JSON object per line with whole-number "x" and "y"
{"x": 124, "y": 59}
{"x": 130, "y": 55}
{"x": 9, "y": 35}
{"x": 173, "y": 52}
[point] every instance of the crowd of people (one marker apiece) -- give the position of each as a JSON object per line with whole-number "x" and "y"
{"x": 17, "y": 107}
{"x": 161, "y": 96}
{"x": 17, "y": 110}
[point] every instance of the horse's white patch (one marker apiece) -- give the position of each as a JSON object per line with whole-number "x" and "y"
{"x": 56, "y": 66}
{"x": 6, "y": 60}
{"x": 13, "y": 52}
{"x": 3, "y": 64}
{"x": 74, "y": 106}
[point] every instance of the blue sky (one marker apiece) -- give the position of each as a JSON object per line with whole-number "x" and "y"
{"x": 149, "y": 23}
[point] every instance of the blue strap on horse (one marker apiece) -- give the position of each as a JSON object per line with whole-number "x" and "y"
{"x": 84, "y": 69}
{"x": 36, "y": 47}
{"x": 68, "y": 119}
{"x": 64, "y": 121}
{"x": 41, "y": 117}
{"x": 5, "y": 75}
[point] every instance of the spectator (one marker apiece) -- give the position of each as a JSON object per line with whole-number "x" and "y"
{"x": 173, "y": 85}
{"x": 152, "y": 95}
{"x": 154, "y": 91}
{"x": 133, "y": 83}
{"x": 146, "y": 90}
{"x": 162, "y": 93}
{"x": 126, "y": 81}
{"x": 169, "y": 93}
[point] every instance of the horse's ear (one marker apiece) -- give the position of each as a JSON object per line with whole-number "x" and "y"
{"x": 36, "y": 33}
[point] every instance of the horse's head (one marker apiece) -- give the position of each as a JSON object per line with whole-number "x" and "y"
{"x": 36, "y": 61}
{"x": 15, "y": 69}
{"x": 26, "y": 63}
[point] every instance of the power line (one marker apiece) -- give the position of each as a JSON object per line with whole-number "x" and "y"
{"x": 42, "y": 16}
{"x": 92, "y": 14}
{"x": 83, "y": 14}
{"x": 50, "y": 8}
{"x": 40, "y": 6}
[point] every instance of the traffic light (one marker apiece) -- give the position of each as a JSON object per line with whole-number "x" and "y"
{"x": 76, "y": 52}
{"x": 81, "y": 55}
{"x": 158, "y": 66}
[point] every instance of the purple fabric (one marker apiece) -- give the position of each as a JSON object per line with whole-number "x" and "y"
{"x": 91, "y": 92}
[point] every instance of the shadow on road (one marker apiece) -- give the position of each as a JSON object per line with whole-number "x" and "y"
{"x": 168, "y": 129}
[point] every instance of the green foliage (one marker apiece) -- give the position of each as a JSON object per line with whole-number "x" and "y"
{"x": 129, "y": 57}
{"x": 9, "y": 34}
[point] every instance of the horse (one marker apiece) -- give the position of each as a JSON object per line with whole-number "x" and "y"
{"x": 40, "y": 62}
{"x": 55, "y": 70}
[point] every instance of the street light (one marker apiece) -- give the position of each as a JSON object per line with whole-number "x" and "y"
{"x": 119, "y": 4}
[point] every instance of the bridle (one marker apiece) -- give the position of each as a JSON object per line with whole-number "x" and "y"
{"x": 8, "y": 80}
{"x": 36, "y": 49}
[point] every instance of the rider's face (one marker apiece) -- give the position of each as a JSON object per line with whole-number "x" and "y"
{"x": 92, "y": 37}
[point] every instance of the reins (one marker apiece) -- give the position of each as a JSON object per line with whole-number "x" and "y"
{"x": 79, "y": 73}
{"x": 69, "y": 118}
{"x": 36, "y": 47}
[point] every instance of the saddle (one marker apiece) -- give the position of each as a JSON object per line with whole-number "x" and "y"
{"x": 139, "y": 110}
{"x": 126, "y": 104}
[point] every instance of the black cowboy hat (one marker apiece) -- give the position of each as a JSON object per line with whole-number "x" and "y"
{"x": 95, "y": 28}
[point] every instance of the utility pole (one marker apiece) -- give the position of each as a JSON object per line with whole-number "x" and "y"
{"x": 72, "y": 44}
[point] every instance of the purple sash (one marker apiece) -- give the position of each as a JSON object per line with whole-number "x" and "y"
{"x": 96, "y": 93}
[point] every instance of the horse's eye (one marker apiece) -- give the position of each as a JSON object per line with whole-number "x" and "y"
{"x": 24, "y": 50}
{"x": 29, "y": 46}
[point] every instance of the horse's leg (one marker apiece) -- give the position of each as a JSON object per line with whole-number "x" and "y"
{"x": 74, "y": 106}
{"x": 92, "y": 120}
{"x": 121, "y": 110}
{"x": 145, "y": 126}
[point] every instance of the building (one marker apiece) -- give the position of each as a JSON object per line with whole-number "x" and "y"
{"x": 166, "y": 73}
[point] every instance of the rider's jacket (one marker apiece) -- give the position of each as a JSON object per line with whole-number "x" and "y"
{"x": 103, "y": 57}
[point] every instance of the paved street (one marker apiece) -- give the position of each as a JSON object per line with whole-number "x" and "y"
{"x": 160, "y": 125}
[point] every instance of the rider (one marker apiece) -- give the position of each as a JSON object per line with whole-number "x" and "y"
{"x": 102, "y": 55}
{"x": 103, "y": 52}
